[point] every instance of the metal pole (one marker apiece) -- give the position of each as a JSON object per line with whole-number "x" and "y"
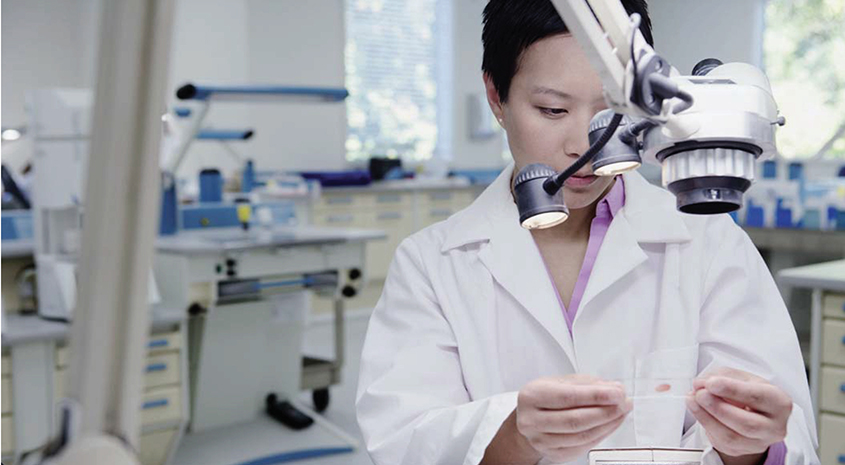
{"x": 111, "y": 325}
{"x": 339, "y": 335}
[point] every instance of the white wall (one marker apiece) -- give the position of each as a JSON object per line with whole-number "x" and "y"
{"x": 209, "y": 46}
{"x": 301, "y": 43}
{"x": 48, "y": 43}
{"x": 466, "y": 152}
{"x": 45, "y": 44}
{"x": 687, "y": 31}
{"x": 283, "y": 42}
{"x": 41, "y": 48}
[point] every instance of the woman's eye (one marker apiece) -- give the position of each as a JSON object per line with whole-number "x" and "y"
{"x": 553, "y": 111}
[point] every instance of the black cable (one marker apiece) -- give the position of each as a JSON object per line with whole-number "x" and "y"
{"x": 631, "y": 131}
{"x": 667, "y": 88}
{"x": 10, "y": 186}
{"x": 687, "y": 100}
{"x": 553, "y": 183}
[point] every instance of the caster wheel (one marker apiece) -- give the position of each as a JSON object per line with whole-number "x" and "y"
{"x": 321, "y": 399}
{"x": 285, "y": 413}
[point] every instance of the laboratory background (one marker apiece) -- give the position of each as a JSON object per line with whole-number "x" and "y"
{"x": 299, "y": 142}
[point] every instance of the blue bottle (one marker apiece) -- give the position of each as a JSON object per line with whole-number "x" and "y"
{"x": 211, "y": 185}
{"x": 248, "y": 181}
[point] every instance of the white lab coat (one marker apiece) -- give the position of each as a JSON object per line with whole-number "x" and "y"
{"x": 469, "y": 315}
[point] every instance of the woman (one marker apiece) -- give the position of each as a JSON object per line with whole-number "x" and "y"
{"x": 629, "y": 325}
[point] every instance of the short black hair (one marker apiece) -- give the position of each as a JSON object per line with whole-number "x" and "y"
{"x": 511, "y": 26}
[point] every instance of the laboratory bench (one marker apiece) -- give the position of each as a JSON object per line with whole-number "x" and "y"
{"x": 407, "y": 185}
{"x": 802, "y": 241}
{"x": 250, "y": 287}
{"x": 34, "y": 378}
{"x": 402, "y": 207}
{"x": 399, "y": 208}
{"x": 827, "y": 351}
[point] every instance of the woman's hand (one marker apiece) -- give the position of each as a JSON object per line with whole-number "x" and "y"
{"x": 742, "y": 414}
{"x": 564, "y": 417}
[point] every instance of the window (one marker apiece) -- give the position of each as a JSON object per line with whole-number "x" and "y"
{"x": 397, "y": 73}
{"x": 803, "y": 46}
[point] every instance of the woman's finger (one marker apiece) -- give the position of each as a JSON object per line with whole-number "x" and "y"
{"x": 723, "y": 438}
{"x": 762, "y": 397}
{"x": 579, "y": 419}
{"x": 562, "y": 396}
{"x": 748, "y": 424}
{"x": 559, "y": 441}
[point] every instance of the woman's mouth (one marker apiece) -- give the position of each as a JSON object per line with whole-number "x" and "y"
{"x": 580, "y": 181}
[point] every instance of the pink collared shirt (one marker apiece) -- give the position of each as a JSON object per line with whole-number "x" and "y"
{"x": 606, "y": 210}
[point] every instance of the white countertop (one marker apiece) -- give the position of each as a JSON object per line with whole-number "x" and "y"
{"x": 17, "y": 248}
{"x": 19, "y": 328}
{"x": 408, "y": 185}
{"x": 828, "y": 276}
{"x": 233, "y": 239}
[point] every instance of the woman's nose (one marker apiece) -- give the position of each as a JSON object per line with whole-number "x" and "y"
{"x": 577, "y": 142}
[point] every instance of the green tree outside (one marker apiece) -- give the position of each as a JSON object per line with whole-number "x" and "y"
{"x": 804, "y": 55}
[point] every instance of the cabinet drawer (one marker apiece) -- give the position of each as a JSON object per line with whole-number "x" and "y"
{"x": 339, "y": 219}
{"x": 391, "y": 200}
{"x": 833, "y": 342}
{"x": 433, "y": 214}
{"x": 159, "y": 370}
{"x": 62, "y": 356}
{"x": 439, "y": 197}
{"x": 344, "y": 200}
{"x": 834, "y": 305}
{"x": 833, "y": 390}
{"x": 445, "y": 198}
{"x": 161, "y": 405}
{"x": 164, "y": 342}
{"x": 397, "y": 225}
{"x": 155, "y": 446}
{"x": 162, "y": 370}
{"x": 158, "y": 343}
{"x": 7, "y": 394}
{"x": 462, "y": 199}
{"x": 831, "y": 445}
{"x": 8, "y": 430}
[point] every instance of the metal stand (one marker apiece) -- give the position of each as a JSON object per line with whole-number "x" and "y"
{"x": 319, "y": 374}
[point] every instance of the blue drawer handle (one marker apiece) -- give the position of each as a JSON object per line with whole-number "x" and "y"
{"x": 157, "y": 343}
{"x": 156, "y": 367}
{"x": 842, "y": 388}
{"x": 155, "y": 404}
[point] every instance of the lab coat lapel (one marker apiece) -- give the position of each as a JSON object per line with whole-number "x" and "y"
{"x": 513, "y": 259}
{"x": 515, "y": 262}
{"x": 619, "y": 255}
{"x": 649, "y": 216}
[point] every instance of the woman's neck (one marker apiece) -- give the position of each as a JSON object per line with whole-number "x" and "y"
{"x": 575, "y": 229}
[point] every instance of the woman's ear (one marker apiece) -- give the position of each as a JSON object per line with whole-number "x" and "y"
{"x": 493, "y": 99}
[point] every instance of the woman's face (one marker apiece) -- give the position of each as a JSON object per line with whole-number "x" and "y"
{"x": 552, "y": 99}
